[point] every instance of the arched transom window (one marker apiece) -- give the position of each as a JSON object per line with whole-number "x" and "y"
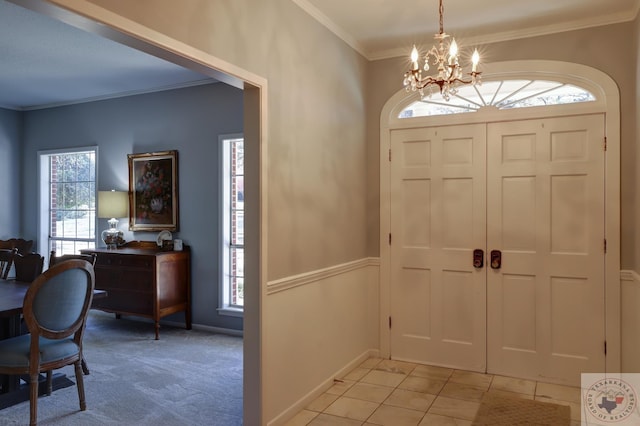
{"x": 503, "y": 94}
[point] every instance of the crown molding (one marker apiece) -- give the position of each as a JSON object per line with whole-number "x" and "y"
{"x": 331, "y": 26}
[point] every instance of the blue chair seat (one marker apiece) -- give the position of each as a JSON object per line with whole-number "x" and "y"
{"x": 14, "y": 352}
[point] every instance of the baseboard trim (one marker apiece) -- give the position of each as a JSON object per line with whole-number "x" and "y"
{"x": 293, "y": 281}
{"x": 290, "y": 412}
{"x": 178, "y": 324}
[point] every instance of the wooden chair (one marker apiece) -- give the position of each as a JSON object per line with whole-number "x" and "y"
{"x": 27, "y": 266}
{"x": 23, "y": 246}
{"x": 55, "y": 309}
{"x": 6, "y": 260}
{"x": 91, "y": 258}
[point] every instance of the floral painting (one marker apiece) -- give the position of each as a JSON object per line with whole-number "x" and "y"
{"x": 153, "y": 203}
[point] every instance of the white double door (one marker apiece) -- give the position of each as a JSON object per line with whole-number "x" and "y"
{"x": 531, "y": 192}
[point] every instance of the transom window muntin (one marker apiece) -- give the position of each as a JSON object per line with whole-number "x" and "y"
{"x": 500, "y": 94}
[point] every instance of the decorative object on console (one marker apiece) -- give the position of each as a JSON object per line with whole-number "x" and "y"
{"x": 153, "y": 189}
{"x": 112, "y": 204}
{"x": 163, "y": 235}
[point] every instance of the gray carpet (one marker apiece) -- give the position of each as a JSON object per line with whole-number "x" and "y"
{"x": 188, "y": 377}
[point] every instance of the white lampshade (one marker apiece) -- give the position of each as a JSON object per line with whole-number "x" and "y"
{"x": 113, "y": 204}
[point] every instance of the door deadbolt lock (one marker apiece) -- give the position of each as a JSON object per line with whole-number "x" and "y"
{"x": 478, "y": 258}
{"x": 496, "y": 259}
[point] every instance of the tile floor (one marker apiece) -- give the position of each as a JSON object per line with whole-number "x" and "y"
{"x": 395, "y": 393}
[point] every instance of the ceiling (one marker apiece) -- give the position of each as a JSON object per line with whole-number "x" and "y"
{"x": 387, "y": 28}
{"x": 47, "y": 63}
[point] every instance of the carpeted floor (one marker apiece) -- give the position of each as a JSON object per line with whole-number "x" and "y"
{"x": 498, "y": 410}
{"x": 188, "y": 377}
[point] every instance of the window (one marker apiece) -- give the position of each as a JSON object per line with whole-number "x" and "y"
{"x": 232, "y": 268}
{"x": 68, "y": 200}
{"x": 503, "y": 94}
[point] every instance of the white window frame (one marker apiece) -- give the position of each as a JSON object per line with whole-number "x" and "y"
{"x": 44, "y": 195}
{"x": 224, "y": 290}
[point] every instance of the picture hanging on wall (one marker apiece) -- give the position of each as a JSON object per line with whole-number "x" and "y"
{"x": 153, "y": 191}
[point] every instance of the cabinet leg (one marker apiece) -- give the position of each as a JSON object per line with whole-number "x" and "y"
{"x": 157, "y": 330}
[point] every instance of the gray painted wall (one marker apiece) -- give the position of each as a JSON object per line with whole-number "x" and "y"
{"x": 188, "y": 120}
{"x": 10, "y": 125}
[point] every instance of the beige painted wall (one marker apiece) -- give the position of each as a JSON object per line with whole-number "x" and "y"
{"x": 316, "y": 181}
{"x": 606, "y": 48}
{"x": 316, "y": 153}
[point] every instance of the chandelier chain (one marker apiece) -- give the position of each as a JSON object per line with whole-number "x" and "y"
{"x": 441, "y": 18}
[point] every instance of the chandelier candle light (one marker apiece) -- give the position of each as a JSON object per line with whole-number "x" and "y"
{"x": 450, "y": 74}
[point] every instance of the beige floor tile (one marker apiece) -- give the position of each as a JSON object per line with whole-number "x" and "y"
{"x": 387, "y": 415}
{"x": 369, "y": 392}
{"x": 340, "y": 387}
{"x": 457, "y": 408}
{"x": 356, "y": 409}
{"x": 462, "y": 391}
{"x": 510, "y": 384}
{"x": 472, "y": 378}
{"x": 371, "y": 363}
{"x": 410, "y": 399}
{"x": 329, "y": 420}
{"x": 560, "y": 392}
{"x": 383, "y": 378}
{"x": 302, "y": 418}
{"x": 437, "y": 420}
{"x": 509, "y": 394}
{"x": 422, "y": 384}
{"x": 356, "y": 374}
{"x": 432, "y": 372}
{"x": 396, "y": 366}
{"x": 322, "y": 402}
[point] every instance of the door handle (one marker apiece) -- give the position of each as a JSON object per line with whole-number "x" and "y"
{"x": 496, "y": 259}
{"x": 478, "y": 258}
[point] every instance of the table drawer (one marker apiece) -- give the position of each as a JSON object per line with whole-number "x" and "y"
{"x": 125, "y": 279}
{"x": 144, "y": 262}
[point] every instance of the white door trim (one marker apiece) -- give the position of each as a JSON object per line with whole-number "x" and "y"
{"x": 608, "y": 102}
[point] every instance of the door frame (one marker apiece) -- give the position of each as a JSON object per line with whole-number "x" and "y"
{"x": 607, "y": 101}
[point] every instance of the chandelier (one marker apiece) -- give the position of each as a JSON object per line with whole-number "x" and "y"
{"x": 450, "y": 73}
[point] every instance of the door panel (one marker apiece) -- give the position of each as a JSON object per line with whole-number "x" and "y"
{"x": 532, "y": 189}
{"x": 545, "y": 306}
{"x": 438, "y": 211}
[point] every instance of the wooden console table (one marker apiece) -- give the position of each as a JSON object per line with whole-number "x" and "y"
{"x": 144, "y": 282}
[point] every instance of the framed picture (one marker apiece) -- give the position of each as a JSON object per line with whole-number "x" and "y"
{"x": 153, "y": 191}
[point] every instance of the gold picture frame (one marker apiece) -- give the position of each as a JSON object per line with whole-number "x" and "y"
{"x": 153, "y": 191}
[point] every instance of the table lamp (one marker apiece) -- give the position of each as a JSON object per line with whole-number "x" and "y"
{"x": 112, "y": 204}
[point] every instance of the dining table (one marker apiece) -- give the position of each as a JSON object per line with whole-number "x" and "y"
{"x": 13, "y": 388}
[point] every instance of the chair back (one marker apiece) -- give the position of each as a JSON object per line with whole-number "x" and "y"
{"x": 54, "y": 260}
{"x": 57, "y": 302}
{"x": 27, "y": 266}
{"x": 23, "y": 246}
{"x": 6, "y": 260}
